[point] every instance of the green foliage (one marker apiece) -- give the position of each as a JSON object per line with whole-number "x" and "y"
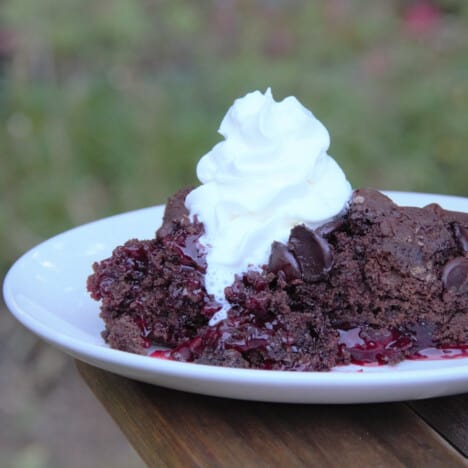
{"x": 106, "y": 106}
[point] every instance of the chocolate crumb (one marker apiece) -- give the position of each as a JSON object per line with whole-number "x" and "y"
{"x": 175, "y": 210}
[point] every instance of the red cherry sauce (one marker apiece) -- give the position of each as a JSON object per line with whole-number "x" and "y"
{"x": 387, "y": 346}
{"x": 377, "y": 348}
{"x": 252, "y": 337}
{"x": 188, "y": 248}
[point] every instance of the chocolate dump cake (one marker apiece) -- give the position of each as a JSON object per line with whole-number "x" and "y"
{"x": 378, "y": 284}
{"x": 275, "y": 263}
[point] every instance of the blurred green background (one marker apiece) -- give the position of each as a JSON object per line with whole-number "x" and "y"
{"x": 106, "y": 105}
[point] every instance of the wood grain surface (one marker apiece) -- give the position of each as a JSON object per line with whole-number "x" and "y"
{"x": 173, "y": 428}
{"x": 449, "y": 416}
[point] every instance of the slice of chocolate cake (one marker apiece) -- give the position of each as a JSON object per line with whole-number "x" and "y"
{"x": 152, "y": 291}
{"x": 378, "y": 284}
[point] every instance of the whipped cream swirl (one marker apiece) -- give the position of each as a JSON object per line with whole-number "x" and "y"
{"x": 270, "y": 173}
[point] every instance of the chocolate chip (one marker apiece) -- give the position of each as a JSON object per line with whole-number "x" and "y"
{"x": 455, "y": 275}
{"x": 311, "y": 251}
{"x": 462, "y": 235}
{"x": 282, "y": 259}
{"x": 330, "y": 227}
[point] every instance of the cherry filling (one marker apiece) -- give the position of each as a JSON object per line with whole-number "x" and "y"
{"x": 235, "y": 333}
{"x": 189, "y": 250}
{"x": 364, "y": 345}
{"x": 441, "y": 352}
{"x": 381, "y": 347}
{"x": 210, "y": 307}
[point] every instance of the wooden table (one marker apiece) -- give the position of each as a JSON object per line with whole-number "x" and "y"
{"x": 172, "y": 428}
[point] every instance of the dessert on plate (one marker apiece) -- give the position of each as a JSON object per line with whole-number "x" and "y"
{"x": 274, "y": 262}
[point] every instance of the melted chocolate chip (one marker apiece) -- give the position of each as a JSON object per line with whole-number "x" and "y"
{"x": 330, "y": 227}
{"x": 462, "y": 235}
{"x": 311, "y": 251}
{"x": 455, "y": 275}
{"x": 282, "y": 259}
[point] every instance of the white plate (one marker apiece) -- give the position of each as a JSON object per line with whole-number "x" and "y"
{"x": 45, "y": 290}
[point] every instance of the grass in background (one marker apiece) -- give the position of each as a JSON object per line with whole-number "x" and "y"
{"x": 106, "y": 106}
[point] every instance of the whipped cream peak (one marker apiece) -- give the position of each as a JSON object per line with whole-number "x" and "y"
{"x": 270, "y": 173}
{"x": 258, "y": 117}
